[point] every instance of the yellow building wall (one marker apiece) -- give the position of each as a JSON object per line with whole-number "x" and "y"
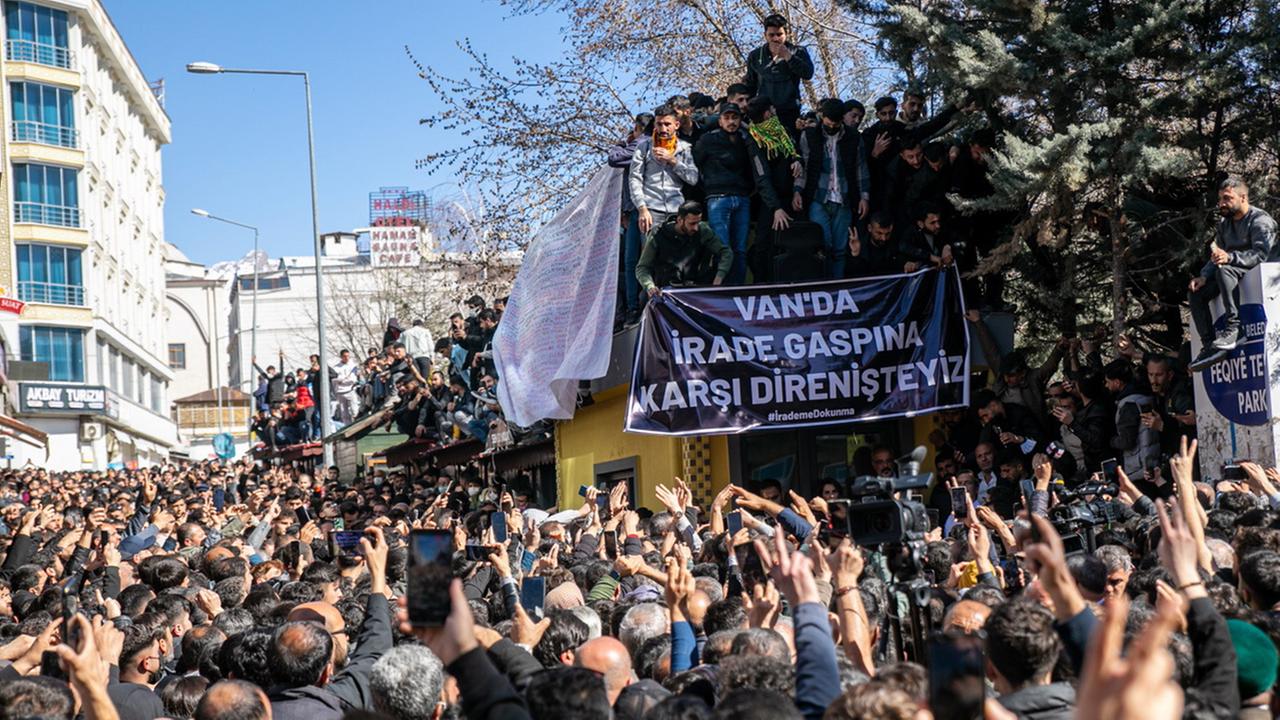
{"x": 594, "y": 436}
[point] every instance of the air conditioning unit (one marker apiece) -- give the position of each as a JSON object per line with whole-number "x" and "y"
{"x": 91, "y": 431}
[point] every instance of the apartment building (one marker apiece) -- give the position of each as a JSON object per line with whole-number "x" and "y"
{"x": 82, "y": 248}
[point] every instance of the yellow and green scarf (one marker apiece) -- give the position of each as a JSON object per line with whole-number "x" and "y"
{"x": 773, "y": 138}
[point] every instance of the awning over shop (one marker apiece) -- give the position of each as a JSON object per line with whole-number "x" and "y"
{"x": 357, "y": 429}
{"x": 523, "y": 457}
{"x": 289, "y": 452}
{"x": 427, "y": 450}
{"x": 24, "y": 433}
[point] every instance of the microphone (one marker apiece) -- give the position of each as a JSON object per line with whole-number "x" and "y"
{"x": 909, "y": 464}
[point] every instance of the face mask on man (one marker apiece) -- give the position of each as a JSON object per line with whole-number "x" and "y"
{"x": 473, "y": 490}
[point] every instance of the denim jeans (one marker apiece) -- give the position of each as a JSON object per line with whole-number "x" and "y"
{"x": 632, "y": 243}
{"x": 730, "y": 217}
{"x": 834, "y": 219}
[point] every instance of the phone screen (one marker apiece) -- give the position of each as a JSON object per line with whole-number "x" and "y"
{"x": 734, "y": 522}
{"x": 429, "y": 574}
{"x": 933, "y": 518}
{"x": 303, "y": 515}
{"x": 70, "y": 606}
{"x": 1028, "y": 488}
{"x": 958, "y": 505}
{"x": 498, "y": 521}
{"x": 343, "y": 543}
{"x": 749, "y": 561}
{"x": 477, "y": 552}
{"x": 1110, "y": 470}
{"x": 956, "y": 686}
{"x": 611, "y": 544}
{"x": 533, "y": 596}
{"x": 582, "y": 491}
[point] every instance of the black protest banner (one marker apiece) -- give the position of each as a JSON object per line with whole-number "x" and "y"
{"x": 730, "y": 360}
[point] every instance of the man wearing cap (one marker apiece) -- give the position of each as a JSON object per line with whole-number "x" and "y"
{"x": 1256, "y": 663}
{"x": 836, "y": 182}
{"x": 725, "y": 168}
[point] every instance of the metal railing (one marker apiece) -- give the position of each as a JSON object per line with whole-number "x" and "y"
{"x": 44, "y": 133}
{"x": 50, "y": 293}
{"x": 38, "y": 52}
{"x": 42, "y": 214}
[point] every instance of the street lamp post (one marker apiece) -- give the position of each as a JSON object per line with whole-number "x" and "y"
{"x": 326, "y": 421}
{"x": 253, "y": 329}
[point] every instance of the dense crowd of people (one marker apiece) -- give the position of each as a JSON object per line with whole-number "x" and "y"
{"x": 443, "y": 390}
{"x": 1065, "y": 559}
{"x": 217, "y": 591}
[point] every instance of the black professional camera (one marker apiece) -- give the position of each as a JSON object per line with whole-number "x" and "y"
{"x": 875, "y": 518}
{"x": 1084, "y": 507}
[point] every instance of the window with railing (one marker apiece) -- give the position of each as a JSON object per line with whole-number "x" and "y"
{"x": 43, "y": 114}
{"x": 50, "y": 274}
{"x": 45, "y": 195}
{"x": 62, "y": 348}
{"x": 36, "y": 34}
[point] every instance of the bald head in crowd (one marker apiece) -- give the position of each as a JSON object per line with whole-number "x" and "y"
{"x": 332, "y": 620}
{"x": 608, "y": 657}
{"x": 233, "y": 700}
{"x": 967, "y": 616}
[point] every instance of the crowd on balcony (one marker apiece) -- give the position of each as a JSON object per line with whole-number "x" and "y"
{"x": 748, "y": 185}
{"x": 443, "y": 390}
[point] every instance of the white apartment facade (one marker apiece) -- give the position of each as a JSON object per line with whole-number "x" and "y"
{"x": 82, "y": 244}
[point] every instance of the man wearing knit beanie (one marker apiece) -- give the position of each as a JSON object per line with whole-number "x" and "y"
{"x": 1256, "y": 664}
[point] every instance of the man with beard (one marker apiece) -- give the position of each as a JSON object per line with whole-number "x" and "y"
{"x": 660, "y": 168}
{"x": 1173, "y": 414}
{"x": 141, "y": 662}
{"x": 725, "y": 168}
{"x": 1007, "y": 425}
{"x": 775, "y": 165}
{"x": 1246, "y": 237}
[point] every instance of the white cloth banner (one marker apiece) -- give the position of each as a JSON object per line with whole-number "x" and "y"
{"x": 558, "y": 325}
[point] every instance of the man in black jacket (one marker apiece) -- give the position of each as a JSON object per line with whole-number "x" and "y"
{"x": 774, "y": 167}
{"x": 879, "y": 255}
{"x": 301, "y": 660}
{"x": 274, "y": 380}
{"x": 835, "y": 183}
{"x": 725, "y": 169}
{"x": 776, "y": 69}
{"x": 683, "y": 252}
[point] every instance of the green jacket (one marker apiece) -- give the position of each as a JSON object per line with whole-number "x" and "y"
{"x": 669, "y": 258}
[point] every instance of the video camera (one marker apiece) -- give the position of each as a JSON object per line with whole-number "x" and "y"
{"x": 874, "y": 517}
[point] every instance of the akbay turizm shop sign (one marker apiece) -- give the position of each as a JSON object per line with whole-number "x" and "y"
{"x": 44, "y": 398}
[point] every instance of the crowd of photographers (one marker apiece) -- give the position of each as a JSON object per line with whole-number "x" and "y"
{"x": 442, "y": 390}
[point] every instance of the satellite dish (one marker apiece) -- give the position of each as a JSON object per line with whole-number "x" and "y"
{"x": 224, "y": 446}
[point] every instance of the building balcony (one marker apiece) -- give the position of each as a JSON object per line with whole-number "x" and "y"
{"x": 38, "y": 53}
{"x": 45, "y": 134}
{"x": 42, "y": 214}
{"x": 50, "y": 293}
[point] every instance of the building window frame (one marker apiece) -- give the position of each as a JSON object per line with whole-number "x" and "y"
{"x": 61, "y": 347}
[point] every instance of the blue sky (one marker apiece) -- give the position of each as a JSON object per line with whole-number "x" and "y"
{"x": 239, "y": 144}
